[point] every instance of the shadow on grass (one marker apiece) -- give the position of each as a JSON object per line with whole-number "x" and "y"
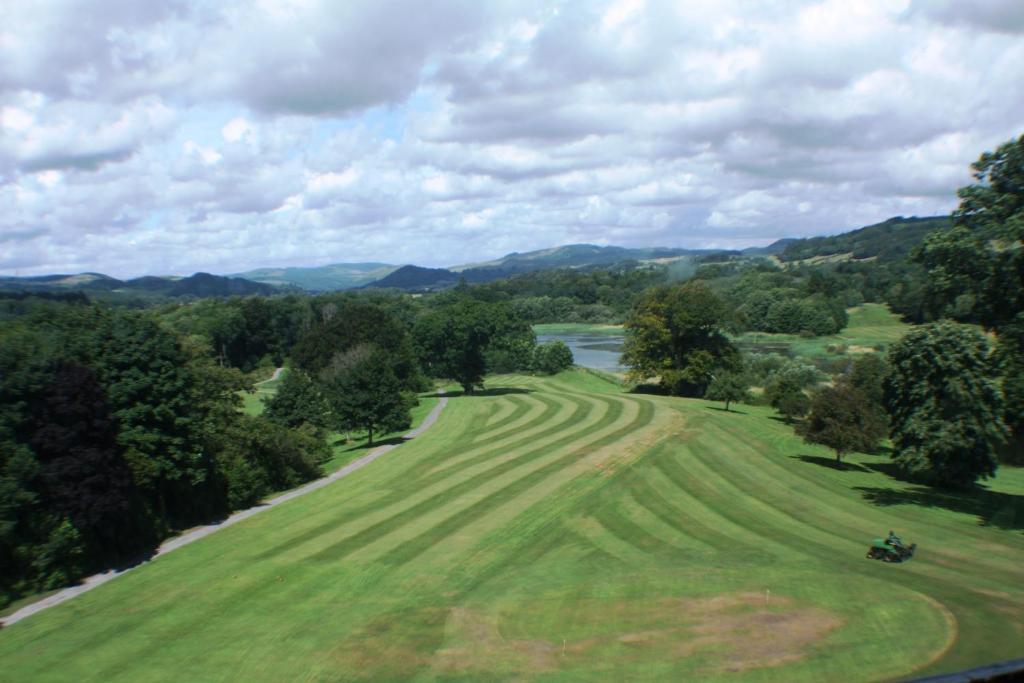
{"x": 497, "y": 391}
{"x": 653, "y": 389}
{"x": 731, "y": 411}
{"x": 364, "y": 446}
{"x": 992, "y": 508}
{"x": 831, "y": 463}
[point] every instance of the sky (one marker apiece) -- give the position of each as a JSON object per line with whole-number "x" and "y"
{"x": 174, "y": 136}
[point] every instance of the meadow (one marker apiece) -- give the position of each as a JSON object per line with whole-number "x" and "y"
{"x": 559, "y": 529}
{"x": 871, "y": 327}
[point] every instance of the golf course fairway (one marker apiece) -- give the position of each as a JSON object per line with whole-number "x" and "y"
{"x": 560, "y": 529}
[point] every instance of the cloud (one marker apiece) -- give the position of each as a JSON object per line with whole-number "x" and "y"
{"x": 177, "y": 135}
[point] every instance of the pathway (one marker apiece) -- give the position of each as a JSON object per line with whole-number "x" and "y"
{"x": 176, "y": 542}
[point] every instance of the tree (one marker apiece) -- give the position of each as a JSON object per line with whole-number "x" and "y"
{"x": 728, "y": 387}
{"x": 552, "y": 357}
{"x": 84, "y": 477}
{"x": 298, "y": 401}
{"x": 789, "y": 399}
{"x": 676, "y": 333}
{"x": 842, "y": 419}
{"x": 867, "y": 374}
{"x": 352, "y": 323}
{"x": 945, "y": 405}
{"x": 364, "y": 393}
{"x": 454, "y": 340}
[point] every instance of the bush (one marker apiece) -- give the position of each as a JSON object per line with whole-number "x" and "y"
{"x": 552, "y": 357}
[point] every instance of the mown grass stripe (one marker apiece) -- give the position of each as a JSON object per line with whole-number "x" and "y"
{"x": 413, "y": 548}
{"x": 370, "y": 534}
{"x": 416, "y": 479}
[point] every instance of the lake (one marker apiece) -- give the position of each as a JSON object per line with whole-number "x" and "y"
{"x": 598, "y": 351}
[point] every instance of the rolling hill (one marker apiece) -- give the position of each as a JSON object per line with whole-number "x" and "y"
{"x": 197, "y": 285}
{"x": 321, "y": 278}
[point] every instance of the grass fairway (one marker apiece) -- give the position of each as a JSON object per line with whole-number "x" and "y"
{"x": 556, "y": 529}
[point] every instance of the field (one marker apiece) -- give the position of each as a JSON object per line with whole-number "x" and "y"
{"x": 871, "y": 327}
{"x": 578, "y": 328}
{"x": 558, "y": 529}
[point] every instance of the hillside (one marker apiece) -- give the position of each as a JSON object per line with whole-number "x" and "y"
{"x": 574, "y": 256}
{"x": 417, "y": 278}
{"x": 891, "y": 240}
{"x": 333, "y": 277}
{"x": 197, "y": 285}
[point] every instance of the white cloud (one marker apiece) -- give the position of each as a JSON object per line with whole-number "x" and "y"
{"x": 175, "y": 135}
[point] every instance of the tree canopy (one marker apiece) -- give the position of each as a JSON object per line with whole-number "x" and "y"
{"x": 843, "y": 419}
{"x": 677, "y": 333}
{"x": 944, "y": 402}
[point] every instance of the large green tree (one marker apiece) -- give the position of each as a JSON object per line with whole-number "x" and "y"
{"x": 364, "y": 393}
{"x": 456, "y": 340}
{"x": 976, "y": 271}
{"x": 945, "y": 406}
{"x": 677, "y": 334}
{"x": 349, "y": 323}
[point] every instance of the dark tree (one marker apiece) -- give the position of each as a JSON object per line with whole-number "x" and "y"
{"x": 152, "y": 393}
{"x": 867, "y": 374}
{"x": 676, "y": 333}
{"x": 945, "y": 405}
{"x": 298, "y": 401}
{"x": 843, "y": 419}
{"x": 350, "y": 323}
{"x": 454, "y": 340}
{"x": 84, "y": 476}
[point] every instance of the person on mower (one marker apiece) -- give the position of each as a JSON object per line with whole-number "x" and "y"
{"x": 894, "y": 540}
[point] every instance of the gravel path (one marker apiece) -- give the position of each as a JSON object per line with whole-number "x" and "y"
{"x": 277, "y": 373}
{"x": 170, "y": 544}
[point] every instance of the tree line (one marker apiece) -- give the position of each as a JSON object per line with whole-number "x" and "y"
{"x": 120, "y": 427}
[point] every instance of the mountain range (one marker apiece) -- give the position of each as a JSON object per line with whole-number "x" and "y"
{"x": 888, "y": 240}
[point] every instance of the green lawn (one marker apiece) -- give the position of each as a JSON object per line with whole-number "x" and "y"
{"x": 558, "y": 529}
{"x": 578, "y": 328}
{"x": 871, "y": 327}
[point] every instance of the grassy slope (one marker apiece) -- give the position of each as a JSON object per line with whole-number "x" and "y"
{"x": 561, "y": 530}
{"x": 870, "y": 325}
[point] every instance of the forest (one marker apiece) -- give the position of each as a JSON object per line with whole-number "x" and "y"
{"x": 122, "y": 425}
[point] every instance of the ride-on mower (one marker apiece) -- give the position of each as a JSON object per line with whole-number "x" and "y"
{"x": 891, "y": 549}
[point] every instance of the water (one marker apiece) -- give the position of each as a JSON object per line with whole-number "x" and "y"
{"x": 598, "y": 351}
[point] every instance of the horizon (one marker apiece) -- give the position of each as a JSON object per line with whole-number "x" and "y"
{"x": 180, "y": 136}
{"x": 240, "y": 274}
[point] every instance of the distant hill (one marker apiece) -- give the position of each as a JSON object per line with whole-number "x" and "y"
{"x": 321, "y": 278}
{"x": 775, "y": 248}
{"x": 198, "y": 285}
{"x": 575, "y": 256}
{"x": 205, "y": 284}
{"x": 416, "y": 278}
{"x": 890, "y": 240}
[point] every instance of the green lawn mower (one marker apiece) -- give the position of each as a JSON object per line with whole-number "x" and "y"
{"x": 891, "y": 549}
